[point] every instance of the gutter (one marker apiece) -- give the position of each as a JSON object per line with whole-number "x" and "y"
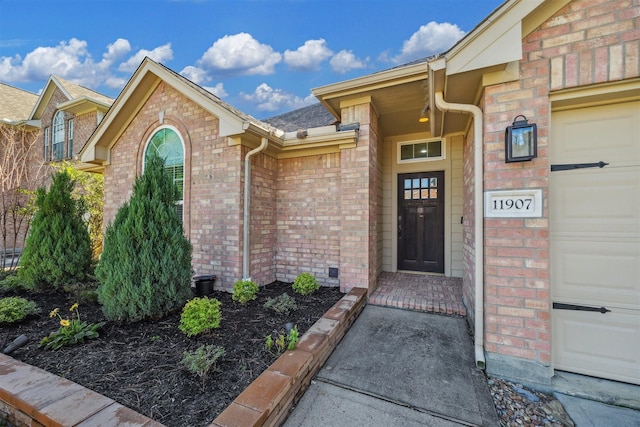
{"x": 478, "y": 218}
{"x": 247, "y": 207}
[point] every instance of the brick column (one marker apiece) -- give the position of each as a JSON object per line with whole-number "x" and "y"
{"x": 358, "y": 202}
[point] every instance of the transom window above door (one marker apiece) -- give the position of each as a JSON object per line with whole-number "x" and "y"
{"x": 418, "y": 151}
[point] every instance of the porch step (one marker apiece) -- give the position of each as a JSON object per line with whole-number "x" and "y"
{"x": 431, "y": 294}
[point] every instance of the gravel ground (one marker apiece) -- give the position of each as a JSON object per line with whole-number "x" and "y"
{"x": 517, "y": 405}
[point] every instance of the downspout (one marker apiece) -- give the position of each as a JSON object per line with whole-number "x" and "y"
{"x": 478, "y": 218}
{"x": 247, "y": 206}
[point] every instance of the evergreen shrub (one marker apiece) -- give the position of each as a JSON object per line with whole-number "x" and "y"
{"x": 58, "y": 248}
{"x": 245, "y": 290}
{"x": 200, "y": 315}
{"x": 145, "y": 268}
{"x": 305, "y": 284}
{"x": 15, "y": 309}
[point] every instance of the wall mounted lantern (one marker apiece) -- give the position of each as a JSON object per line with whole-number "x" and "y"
{"x": 520, "y": 141}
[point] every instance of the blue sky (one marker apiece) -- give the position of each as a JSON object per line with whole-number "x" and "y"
{"x": 261, "y": 56}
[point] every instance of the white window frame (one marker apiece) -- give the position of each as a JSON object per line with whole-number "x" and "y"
{"x": 184, "y": 154}
{"x": 57, "y": 146}
{"x": 70, "y": 138}
{"x": 47, "y": 131}
{"x": 442, "y": 156}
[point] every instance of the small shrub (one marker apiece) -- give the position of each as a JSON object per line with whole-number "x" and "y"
{"x": 201, "y": 361}
{"x": 305, "y": 284}
{"x": 282, "y": 304}
{"x": 292, "y": 338}
{"x": 200, "y": 315}
{"x": 15, "y": 309}
{"x": 244, "y": 291}
{"x": 12, "y": 283}
{"x": 71, "y": 332}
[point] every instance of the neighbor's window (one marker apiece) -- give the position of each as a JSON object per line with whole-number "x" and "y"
{"x": 46, "y": 144}
{"x": 168, "y": 144}
{"x": 420, "y": 151}
{"x": 70, "y": 138}
{"x": 58, "y": 136}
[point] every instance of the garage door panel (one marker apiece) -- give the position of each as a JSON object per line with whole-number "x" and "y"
{"x": 594, "y": 229}
{"x": 609, "y": 133}
{"x": 608, "y": 347}
{"x": 597, "y": 272}
{"x": 581, "y": 199}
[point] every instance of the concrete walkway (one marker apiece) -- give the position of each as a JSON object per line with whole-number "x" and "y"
{"x": 397, "y": 367}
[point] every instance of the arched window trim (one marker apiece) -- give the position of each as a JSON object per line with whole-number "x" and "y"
{"x": 57, "y": 146}
{"x": 179, "y": 202}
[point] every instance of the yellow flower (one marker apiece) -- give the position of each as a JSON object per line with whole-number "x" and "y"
{"x": 54, "y": 312}
{"x": 73, "y": 307}
{"x": 65, "y": 322}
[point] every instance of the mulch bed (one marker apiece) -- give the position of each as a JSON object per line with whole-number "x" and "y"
{"x": 138, "y": 365}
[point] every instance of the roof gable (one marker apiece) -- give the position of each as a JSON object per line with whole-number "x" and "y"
{"x": 79, "y": 99}
{"x": 140, "y": 87}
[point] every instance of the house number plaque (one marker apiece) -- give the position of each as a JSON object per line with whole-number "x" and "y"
{"x": 513, "y": 204}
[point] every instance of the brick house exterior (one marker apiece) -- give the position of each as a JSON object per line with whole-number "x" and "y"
{"x": 328, "y": 199}
{"x": 81, "y": 110}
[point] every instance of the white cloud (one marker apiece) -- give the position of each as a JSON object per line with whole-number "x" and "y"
{"x": 308, "y": 56}
{"x": 217, "y": 90}
{"x": 160, "y": 54}
{"x": 72, "y": 61}
{"x": 239, "y": 54}
{"x": 345, "y": 61}
{"x": 428, "y": 40}
{"x": 268, "y": 99}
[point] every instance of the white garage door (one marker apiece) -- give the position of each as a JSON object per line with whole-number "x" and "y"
{"x": 595, "y": 240}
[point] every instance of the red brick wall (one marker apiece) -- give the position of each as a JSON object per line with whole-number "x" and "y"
{"x": 309, "y": 217}
{"x": 213, "y": 191}
{"x": 587, "y": 42}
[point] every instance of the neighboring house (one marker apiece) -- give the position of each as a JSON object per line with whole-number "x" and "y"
{"x": 377, "y": 190}
{"x": 16, "y": 136}
{"x": 61, "y": 119}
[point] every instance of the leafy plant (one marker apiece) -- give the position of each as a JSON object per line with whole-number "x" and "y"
{"x": 282, "y": 341}
{"x": 71, "y": 331}
{"x": 145, "y": 268}
{"x": 202, "y": 360}
{"x": 200, "y": 315}
{"x": 245, "y": 290}
{"x": 15, "y": 309}
{"x": 58, "y": 249}
{"x": 305, "y": 284}
{"x": 293, "y": 337}
{"x": 282, "y": 304}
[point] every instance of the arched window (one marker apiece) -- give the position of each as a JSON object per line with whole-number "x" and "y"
{"x": 167, "y": 143}
{"x": 58, "y": 136}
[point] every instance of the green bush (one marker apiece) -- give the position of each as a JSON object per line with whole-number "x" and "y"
{"x": 282, "y": 304}
{"x": 305, "y": 284}
{"x": 11, "y": 283}
{"x": 200, "y": 315}
{"x": 202, "y": 360}
{"x": 58, "y": 249}
{"x": 244, "y": 291}
{"x": 145, "y": 268}
{"x": 15, "y": 309}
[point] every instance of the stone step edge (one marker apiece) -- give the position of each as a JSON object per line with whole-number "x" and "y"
{"x": 32, "y": 396}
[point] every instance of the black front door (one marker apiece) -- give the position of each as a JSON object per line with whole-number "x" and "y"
{"x": 421, "y": 222}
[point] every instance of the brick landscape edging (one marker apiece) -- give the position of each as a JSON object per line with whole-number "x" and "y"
{"x": 30, "y": 396}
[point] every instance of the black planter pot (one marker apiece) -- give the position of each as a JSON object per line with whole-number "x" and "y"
{"x": 204, "y": 285}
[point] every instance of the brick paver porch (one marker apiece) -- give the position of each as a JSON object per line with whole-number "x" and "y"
{"x": 420, "y": 292}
